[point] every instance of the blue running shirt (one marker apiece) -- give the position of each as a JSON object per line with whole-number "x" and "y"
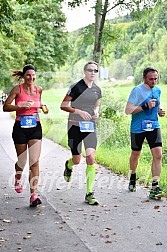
{"x": 139, "y": 96}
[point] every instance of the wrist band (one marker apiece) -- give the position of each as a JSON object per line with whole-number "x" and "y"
{"x": 145, "y": 106}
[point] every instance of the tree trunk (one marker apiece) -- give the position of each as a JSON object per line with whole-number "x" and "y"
{"x": 100, "y": 16}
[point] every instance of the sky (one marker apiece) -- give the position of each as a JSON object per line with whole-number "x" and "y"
{"x": 80, "y": 16}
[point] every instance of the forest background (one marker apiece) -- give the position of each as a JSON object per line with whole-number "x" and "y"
{"x": 36, "y": 33}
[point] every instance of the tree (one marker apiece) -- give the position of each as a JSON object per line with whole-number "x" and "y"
{"x": 7, "y": 13}
{"x": 46, "y": 22}
{"x": 13, "y": 52}
{"x": 36, "y": 36}
{"x": 103, "y": 7}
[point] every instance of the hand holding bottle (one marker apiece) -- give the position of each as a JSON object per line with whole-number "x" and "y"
{"x": 161, "y": 112}
{"x": 45, "y": 109}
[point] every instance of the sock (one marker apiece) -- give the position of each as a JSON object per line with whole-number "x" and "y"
{"x": 90, "y": 177}
{"x": 133, "y": 176}
{"x": 154, "y": 183}
{"x": 70, "y": 164}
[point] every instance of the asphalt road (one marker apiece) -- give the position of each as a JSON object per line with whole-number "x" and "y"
{"x": 124, "y": 222}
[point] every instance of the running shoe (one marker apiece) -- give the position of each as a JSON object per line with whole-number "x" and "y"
{"x": 156, "y": 192}
{"x": 18, "y": 186}
{"x": 67, "y": 173}
{"x": 132, "y": 186}
{"x": 34, "y": 200}
{"x": 90, "y": 199}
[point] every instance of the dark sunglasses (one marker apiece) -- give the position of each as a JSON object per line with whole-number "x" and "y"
{"x": 92, "y": 70}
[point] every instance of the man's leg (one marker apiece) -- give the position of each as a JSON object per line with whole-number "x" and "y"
{"x": 155, "y": 142}
{"x": 133, "y": 166}
{"x": 136, "y": 146}
{"x": 156, "y": 170}
{"x": 156, "y": 162}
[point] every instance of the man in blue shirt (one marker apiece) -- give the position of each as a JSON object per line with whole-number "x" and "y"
{"x": 144, "y": 106}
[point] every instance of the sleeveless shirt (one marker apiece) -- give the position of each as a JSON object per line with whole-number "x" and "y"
{"x": 23, "y": 97}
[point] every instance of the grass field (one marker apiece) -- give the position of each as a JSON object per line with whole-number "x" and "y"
{"x": 54, "y": 127}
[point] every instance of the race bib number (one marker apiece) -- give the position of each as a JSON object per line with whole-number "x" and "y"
{"x": 149, "y": 125}
{"x": 86, "y": 126}
{"x": 28, "y": 121}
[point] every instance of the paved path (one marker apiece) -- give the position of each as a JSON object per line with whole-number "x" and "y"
{"x": 124, "y": 222}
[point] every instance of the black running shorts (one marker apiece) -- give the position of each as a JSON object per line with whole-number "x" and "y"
{"x": 23, "y": 135}
{"x": 153, "y": 138}
{"x": 75, "y": 138}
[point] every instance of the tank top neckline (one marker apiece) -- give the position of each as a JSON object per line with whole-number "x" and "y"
{"x": 22, "y": 86}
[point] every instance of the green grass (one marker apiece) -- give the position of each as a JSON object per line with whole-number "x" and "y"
{"x": 115, "y": 154}
{"x": 110, "y": 158}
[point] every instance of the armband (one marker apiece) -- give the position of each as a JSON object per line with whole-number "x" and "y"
{"x": 145, "y": 106}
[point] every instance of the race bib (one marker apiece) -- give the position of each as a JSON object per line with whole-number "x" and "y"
{"x": 149, "y": 125}
{"x": 28, "y": 121}
{"x": 86, "y": 126}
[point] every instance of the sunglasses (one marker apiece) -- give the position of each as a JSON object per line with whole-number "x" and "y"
{"x": 92, "y": 70}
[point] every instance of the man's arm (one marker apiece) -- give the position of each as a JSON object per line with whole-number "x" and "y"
{"x": 132, "y": 109}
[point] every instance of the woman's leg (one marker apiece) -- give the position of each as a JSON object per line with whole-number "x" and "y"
{"x": 90, "y": 177}
{"x": 34, "y": 154}
{"x": 74, "y": 142}
{"x": 21, "y": 150}
{"x": 90, "y": 169}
